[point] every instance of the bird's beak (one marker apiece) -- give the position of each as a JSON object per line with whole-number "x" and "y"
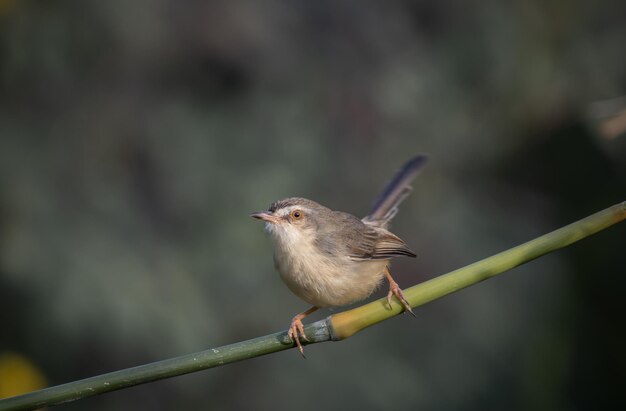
{"x": 265, "y": 216}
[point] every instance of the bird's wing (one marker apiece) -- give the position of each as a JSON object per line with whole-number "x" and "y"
{"x": 377, "y": 244}
{"x": 390, "y": 245}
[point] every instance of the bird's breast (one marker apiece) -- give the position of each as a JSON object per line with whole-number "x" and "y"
{"x": 325, "y": 280}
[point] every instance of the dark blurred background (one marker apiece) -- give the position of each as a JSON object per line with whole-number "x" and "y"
{"x": 136, "y": 137}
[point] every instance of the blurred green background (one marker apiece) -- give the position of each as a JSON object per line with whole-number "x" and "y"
{"x": 136, "y": 137}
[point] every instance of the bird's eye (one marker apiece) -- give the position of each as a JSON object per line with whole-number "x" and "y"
{"x": 296, "y": 214}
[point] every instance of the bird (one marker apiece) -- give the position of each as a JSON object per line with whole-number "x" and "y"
{"x": 332, "y": 258}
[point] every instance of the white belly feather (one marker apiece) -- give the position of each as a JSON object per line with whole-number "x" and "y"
{"x": 320, "y": 280}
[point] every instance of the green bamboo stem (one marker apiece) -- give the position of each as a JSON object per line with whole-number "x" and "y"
{"x": 336, "y": 327}
{"x": 347, "y": 323}
{"x": 213, "y": 357}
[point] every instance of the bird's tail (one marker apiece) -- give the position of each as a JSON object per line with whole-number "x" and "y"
{"x": 385, "y": 207}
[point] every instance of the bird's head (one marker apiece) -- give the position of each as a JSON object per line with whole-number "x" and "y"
{"x": 293, "y": 219}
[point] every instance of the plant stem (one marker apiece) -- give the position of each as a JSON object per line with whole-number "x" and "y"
{"x": 347, "y": 323}
{"x": 336, "y": 327}
{"x": 213, "y": 357}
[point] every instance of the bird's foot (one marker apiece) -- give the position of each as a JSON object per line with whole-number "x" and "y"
{"x": 296, "y": 331}
{"x": 394, "y": 289}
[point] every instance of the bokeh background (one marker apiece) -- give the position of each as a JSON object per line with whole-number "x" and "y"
{"x": 136, "y": 137}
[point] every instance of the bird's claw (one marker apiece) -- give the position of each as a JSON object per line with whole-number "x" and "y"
{"x": 296, "y": 331}
{"x": 394, "y": 289}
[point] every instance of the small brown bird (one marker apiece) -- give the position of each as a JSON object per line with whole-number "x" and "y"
{"x": 331, "y": 258}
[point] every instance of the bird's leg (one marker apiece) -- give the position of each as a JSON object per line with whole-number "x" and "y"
{"x": 296, "y": 329}
{"x": 394, "y": 289}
